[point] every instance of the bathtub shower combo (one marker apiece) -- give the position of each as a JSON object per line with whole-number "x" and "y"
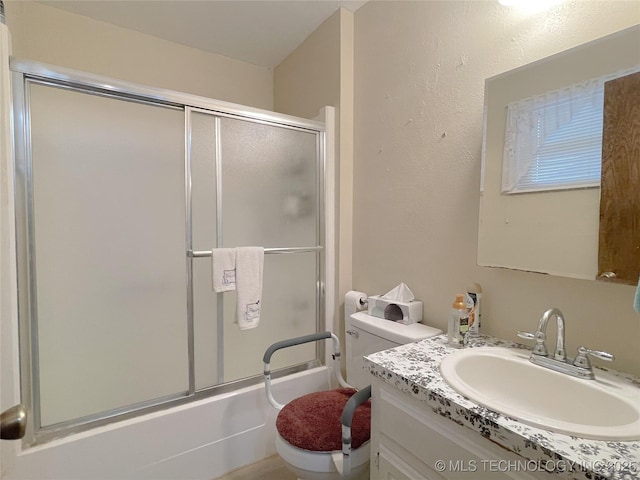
{"x": 121, "y": 193}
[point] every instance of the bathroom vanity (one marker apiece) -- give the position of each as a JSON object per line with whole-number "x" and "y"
{"x": 422, "y": 429}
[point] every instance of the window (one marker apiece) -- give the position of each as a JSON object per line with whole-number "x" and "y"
{"x": 554, "y": 141}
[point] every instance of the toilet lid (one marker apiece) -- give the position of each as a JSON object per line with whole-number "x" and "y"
{"x": 312, "y": 422}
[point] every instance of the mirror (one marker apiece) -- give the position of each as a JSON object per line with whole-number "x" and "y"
{"x": 553, "y": 232}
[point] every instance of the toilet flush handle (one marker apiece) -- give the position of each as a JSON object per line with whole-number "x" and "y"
{"x": 353, "y": 333}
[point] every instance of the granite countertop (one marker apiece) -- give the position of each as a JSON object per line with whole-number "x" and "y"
{"x": 415, "y": 369}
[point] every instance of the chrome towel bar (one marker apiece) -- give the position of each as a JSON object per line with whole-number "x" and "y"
{"x": 207, "y": 253}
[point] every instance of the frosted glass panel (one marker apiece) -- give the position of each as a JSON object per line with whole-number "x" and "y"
{"x": 269, "y": 185}
{"x": 269, "y": 198}
{"x": 288, "y": 310}
{"x": 109, "y": 233}
{"x": 203, "y": 215}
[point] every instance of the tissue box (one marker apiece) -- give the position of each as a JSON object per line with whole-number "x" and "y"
{"x": 401, "y": 312}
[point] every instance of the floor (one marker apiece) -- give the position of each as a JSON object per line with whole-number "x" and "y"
{"x": 271, "y": 468}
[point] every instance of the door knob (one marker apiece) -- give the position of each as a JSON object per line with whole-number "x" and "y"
{"x": 13, "y": 423}
{"x": 608, "y": 275}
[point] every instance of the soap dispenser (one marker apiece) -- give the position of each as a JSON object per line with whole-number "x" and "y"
{"x": 458, "y": 323}
{"x": 474, "y": 301}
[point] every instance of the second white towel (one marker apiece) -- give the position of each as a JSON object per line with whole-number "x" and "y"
{"x": 249, "y": 266}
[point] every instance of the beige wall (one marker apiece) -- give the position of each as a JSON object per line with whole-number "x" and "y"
{"x": 309, "y": 78}
{"x": 318, "y": 73}
{"x": 50, "y": 35}
{"x": 419, "y": 79}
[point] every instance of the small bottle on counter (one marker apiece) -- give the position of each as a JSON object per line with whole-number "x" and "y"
{"x": 458, "y": 325}
{"x": 473, "y": 301}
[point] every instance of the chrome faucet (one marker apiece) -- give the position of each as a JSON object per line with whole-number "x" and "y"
{"x": 578, "y": 367}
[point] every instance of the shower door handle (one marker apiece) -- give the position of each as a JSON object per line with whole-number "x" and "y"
{"x": 13, "y": 423}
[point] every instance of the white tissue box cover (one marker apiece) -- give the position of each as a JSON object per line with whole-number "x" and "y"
{"x": 411, "y": 311}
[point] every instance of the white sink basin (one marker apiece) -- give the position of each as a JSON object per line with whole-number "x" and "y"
{"x": 503, "y": 379}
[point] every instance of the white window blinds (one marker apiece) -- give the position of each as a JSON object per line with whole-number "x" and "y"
{"x": 554, "y": 141}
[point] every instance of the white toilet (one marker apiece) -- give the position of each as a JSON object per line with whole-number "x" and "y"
{"x": 365, "y": 334}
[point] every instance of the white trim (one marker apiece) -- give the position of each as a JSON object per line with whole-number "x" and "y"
{"x": 331, "y": 322}
{"x": 9, "y": 353}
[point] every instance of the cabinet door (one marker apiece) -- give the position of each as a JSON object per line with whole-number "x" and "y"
{"x": 619, "y": 244}
{"x": 392, "y": 467}
{"x": 412, "y": 441}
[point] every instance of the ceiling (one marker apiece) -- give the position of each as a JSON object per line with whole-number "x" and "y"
{"x": 261, "y": 32}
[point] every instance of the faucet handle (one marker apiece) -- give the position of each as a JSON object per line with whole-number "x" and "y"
{"x": 527, "y": 335}
{"x": 540, "y": 348}
{"x": 582, "y": 360}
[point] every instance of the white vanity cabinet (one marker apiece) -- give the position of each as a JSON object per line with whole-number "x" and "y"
{"x": 409, "y": 441}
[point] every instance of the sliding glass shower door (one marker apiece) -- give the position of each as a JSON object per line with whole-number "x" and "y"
{"x": 107, "y": 270}
{"x": 254, "y": 184}
{"x": 122, "y": 193}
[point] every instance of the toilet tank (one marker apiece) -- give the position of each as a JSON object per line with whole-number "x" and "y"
{"x": 366, "y": 334}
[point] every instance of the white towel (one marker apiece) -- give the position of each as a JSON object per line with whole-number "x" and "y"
{"x": 223, "y": 269}
{"x": 249, "y": 265}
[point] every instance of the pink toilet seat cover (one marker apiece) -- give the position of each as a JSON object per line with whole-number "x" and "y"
{"x": 312, "y": 422}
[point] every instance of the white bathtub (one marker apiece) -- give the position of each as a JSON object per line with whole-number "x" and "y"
{"x": 200, "y": 440}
